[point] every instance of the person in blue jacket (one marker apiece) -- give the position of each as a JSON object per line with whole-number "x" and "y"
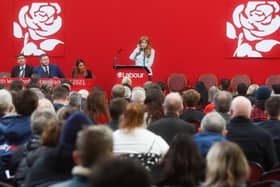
{"x": 212, "y": 130}
{"x": 47, "y": 70}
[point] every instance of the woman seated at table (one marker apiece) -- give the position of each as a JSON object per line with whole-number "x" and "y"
{"x": 80, "y": 70}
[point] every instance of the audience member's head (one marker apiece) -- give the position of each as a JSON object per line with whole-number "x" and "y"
{"x": 34, "y": 81}
{"x": 272, "y": 107}
{"x": 240, "y": 107}
{"x": 117, "y": 107}
{"x": 106, "y": 174}
{"x": 76, "y": 122}
{"x": 138, "y": 95}
{"x": 40, "y": 120}
{"x": 213, "y": 122}
{"x": 127, "y": 81}
{"x": 183, "y": 162}
{"x": 173, "y": 104}
{"x": 202, "y": 90}
{"x": 225, "y": 84}
{"x": 153, "y": 103}
{"x": 64, "y": 112}
{"x": 263, "y": 93}
{"x": 94, "y": 144}
{"x": 127, "y": 92}
{"x": 161, "y": 85}
{"x": 51, "y": 134}
{"x": 276, "y": 89}
{"x": 38, "y": 92}
{"x": 75, "y": 100}
{"x": 133, "y": 117}
{"x": 213, "y": 90}
{"x": 97, "y": 104}
{"x": 222, "y": 101}
{"x": 67, "y": 83}
{"x": 241, "y": 89}
{"x": 147, "y": 85}
{"x": 191, "y": 98}
{"x": 118, "y": 90}
{"x": 226, "y": 165}
{"x": 61, "y": 94}
{"x": 16, "y": 85}
{"x": 45, "y": 104}
{"x": 26, "y": 102}
{"x": 252, "y": 89}
{"x": 6, "y": 102}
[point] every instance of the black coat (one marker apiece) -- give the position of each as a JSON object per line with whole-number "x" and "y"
{"x": 191, "y": 115}
{"x": 55, "y": 166}
{"x": 273, "y": 128}
{"x": 256, "y": 143}
{"x": 16, "y": 70}
{"x": 170, "y": 125}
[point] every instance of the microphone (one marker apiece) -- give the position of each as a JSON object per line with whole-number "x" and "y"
{"x": 116, "y": 57}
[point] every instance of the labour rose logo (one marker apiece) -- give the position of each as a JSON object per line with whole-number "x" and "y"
{"x": 254, "y": 28}
{"x": 36, "y": 27}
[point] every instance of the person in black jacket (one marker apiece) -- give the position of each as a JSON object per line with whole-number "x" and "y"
{"x": 190, "y": 113}
{"x": 168, "y": 126}
{"x": 22, "y": 70}
{"x": 56, "y": 165}
{"x": 272, "y": 125}
{"x": 256, "y": 143}
{"x": 182, "y": 165}
{"x": 80, "y": 70}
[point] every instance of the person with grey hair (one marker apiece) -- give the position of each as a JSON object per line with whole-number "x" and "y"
{"x": 93, "y": 145}
{"x": 40, "y": 120}
{"x": 222, "y": 102}
{"x": 212, "y": 130}
{"x": 256, "y": 143}
{"x": 212, "y": 92}
{"x": 75, "y": 100}
{"x": 138, "y": 95}
{"x": 170, "y": 125}
{"x": 6, "y": 102}
{"x": 118, "y": 90}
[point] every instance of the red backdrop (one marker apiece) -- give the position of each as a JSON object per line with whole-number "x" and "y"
{"x": 188, "y": 36}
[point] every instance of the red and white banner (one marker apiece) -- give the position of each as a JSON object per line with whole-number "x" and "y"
{"x": 38, "y": 27}
{"x": 253, "y": 29}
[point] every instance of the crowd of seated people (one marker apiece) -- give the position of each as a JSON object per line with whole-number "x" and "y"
{"x": 136, "y": 136}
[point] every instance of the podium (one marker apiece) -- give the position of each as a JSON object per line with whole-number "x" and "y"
{"x": 138, "y": 74}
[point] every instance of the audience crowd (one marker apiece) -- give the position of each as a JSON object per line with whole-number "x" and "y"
{"x": 136, "y": 136}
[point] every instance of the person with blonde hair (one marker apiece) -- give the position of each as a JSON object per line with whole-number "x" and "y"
{"x": 134, "y": 141}
{"x": 144, "y": 55}
{"x": 226, "y": 166}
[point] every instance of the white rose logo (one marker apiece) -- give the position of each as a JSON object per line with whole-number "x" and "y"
{"x": 38, "y": 22}
{"x": 252, "y": 25}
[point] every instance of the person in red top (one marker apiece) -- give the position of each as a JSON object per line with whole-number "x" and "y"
{"x": 80, "y": 70}
{"x": 213, "y": 90}
{"x": 97, "y": 107}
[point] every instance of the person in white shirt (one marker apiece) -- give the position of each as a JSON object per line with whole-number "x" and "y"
{"x": 144, "y": 55}
{"x": 134, "y": 140}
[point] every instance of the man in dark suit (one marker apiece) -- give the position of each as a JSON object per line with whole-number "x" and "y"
{"x": 22, "y": 70}
{"x": 47, "y": 70}
{"x": 171, "y": 124}
{"x": 256, "y": 143}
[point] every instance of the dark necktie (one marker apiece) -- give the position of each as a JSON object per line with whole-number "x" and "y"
{"x": 47, "y": 71}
